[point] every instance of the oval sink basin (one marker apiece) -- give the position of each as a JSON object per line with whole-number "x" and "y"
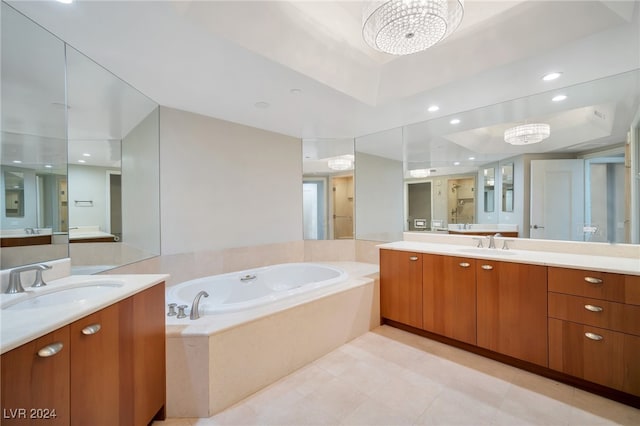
{"x": 488, "y": 251}
{"x": 71, "y": 295}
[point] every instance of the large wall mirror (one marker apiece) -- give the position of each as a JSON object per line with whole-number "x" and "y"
{"x": 590, "y": 129}
{"x": 328, "y": 189}
{"x": 85, "y": 146}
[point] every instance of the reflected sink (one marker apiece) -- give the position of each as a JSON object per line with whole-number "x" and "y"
{"x": 488, "y": 251}
{"x": 78, "y": 294}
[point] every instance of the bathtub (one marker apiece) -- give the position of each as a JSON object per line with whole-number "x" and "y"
{"x": 254, "y": 331}
{"x": 239, "y": 291}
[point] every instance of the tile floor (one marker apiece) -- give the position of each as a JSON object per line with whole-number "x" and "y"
{"x": 390, "y": 377}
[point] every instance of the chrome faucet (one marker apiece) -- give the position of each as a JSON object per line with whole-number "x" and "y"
{"x": 195, "y": 306}
{"x": 15, "y": 283}
{"x": 492, "y": 242}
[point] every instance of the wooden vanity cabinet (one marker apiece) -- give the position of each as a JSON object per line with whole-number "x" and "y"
{"x": 594, "y": 330}
{"x": 512, "y": 309}
{"x": 109, "y": 371}
{"x": 449, "y": 296}
{"x": 95, "y": 372}
{"x": 35, "y": 387}
{"x": 401, "y": 287}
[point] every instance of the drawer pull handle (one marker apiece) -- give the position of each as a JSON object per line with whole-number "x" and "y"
{"x": 487, "y": 267}
{"x": 592, "y": 280}
{"x": 91, "y": 329}
{"x": 465, "y": 264}
{"x": 593, "y": 336}
{"x": 413, "y": 258}
{"x": 593, "y": 308}
{"x": 50, "y": 350}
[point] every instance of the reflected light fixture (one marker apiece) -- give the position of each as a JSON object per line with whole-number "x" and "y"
{"x": 419, "y": 173}
{"x": 527, "y": 134}
{"x": 340, "y": 163}
{"x": 403, "y": 27}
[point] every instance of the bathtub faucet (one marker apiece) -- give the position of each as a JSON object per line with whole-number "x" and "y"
{"x": 195, "y": 306}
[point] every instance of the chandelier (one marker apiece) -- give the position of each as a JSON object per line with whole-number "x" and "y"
{"x": 527, "y": 134}
{"x": 402, "y": 27}
{"x": 340, "y": 163}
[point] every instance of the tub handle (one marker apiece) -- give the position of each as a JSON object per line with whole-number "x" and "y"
{"x": 248, "y": 278}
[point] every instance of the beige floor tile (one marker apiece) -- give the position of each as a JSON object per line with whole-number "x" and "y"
{"x": 454, "y": 408}
{"x": 391, "y": 377}
{"x": 372, "y": 413}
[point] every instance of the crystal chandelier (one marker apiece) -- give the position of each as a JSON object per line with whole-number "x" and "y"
{"x": 527, "y": 134}
{"x": 340, "y": 163}
{"x": 402, "y": 27}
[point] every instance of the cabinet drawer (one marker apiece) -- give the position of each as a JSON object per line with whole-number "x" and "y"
{"x": 601, "y": 356}
{"x": 599, "y": 313}
{"x": 597, "y": 285}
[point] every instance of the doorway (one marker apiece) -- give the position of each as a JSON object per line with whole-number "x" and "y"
{"x": 342, "y": 187}
{"x": 114, "y": 204}
{"x": 419, "y": 206}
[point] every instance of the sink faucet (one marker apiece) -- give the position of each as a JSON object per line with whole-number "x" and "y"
{"x": 15, "y": 283}
{"x": 195, "y": 306}
{"x": 492, "y": 242}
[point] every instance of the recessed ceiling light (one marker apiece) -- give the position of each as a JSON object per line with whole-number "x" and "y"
{"x": 295, "y": 91}
{"x": 551, "y": 76}
{"x": 86, "y": 154}
{"x": 472, "y": 158}
{"x": 559, "y": 98}
{"x": 456, "y": 163}
{"x": 262, "y": 105}
{"x": 81, "y": 161}
{"x": 455, "y": 121}
{"x": 65, "y": 1}
{"x": 433, "y": 108}
{"x": 17, "y": 162}
{"x": 48, "y": 166}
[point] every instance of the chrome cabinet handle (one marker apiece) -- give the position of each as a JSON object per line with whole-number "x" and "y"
{"x": 50, "y": 350}
{"x": 91, "y": 329}
{"x": 413, "y": 258}
{"x": 593, "y": 336}
{"x": 593, "y": 308}
{"x": 592, "y": 280}
{"x": 465, "y": 264}
{"x": 487, "y": 267}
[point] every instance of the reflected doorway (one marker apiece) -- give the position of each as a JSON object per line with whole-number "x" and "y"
{"x": 114, "y": 204}
{"x": 342, "y": 187}
{"x": 419, "y": 206}
{"x": 461, "y": 200}
{"x": 314, "y": 194}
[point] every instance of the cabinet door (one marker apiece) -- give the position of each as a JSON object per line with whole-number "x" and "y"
{"x": 148, "y": 350}
{"x": 449, "y": 296}
{"x": 401, "y": 287}
{"x": 35, "y": 383}
{"x": 512, "y": 309}
{"x": 594, "y": 354}
{"x": 95, "y": 384}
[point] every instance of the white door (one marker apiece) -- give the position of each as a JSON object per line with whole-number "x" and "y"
{"x": 557, "y": 199}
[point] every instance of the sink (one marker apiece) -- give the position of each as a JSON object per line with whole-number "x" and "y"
{"x": 488, "y": 251}
{"x": 78, "y": 294}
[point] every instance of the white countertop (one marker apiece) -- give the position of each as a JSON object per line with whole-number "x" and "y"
{"x": 19, "y": 326}
{"x": 621, "y": 265}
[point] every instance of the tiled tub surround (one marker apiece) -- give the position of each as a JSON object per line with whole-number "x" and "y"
{"x": 218, "y": 360}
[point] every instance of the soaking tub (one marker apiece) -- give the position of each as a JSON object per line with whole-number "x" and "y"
{"x": 238, "y": 291}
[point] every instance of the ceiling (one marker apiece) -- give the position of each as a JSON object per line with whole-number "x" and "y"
{"x": 306, "y": 61}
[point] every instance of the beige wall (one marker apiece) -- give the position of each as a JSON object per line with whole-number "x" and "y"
{"x": 226, "y": 185}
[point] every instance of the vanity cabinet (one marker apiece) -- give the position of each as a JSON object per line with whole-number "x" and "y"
{"x": 95, "y": 373}
{"x": 107, "y": 368}
{"x": 401, "y": 291}
{"x": 35, "y": 381}
{"x": 449, "y": 296}
{"x": 512, "y": 309}
{"x": 594, "y": 327}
